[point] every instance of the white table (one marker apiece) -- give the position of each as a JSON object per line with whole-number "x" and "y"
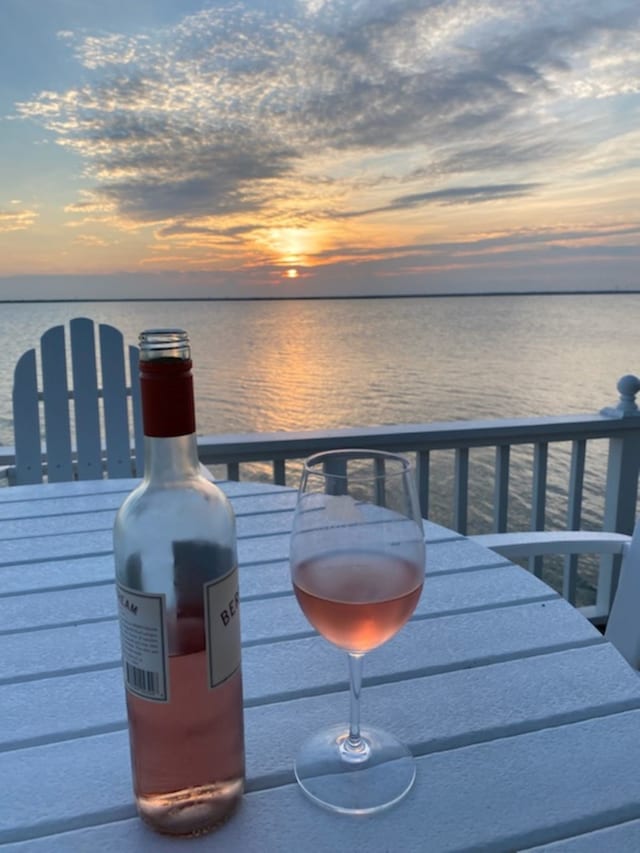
{"x": 525, "y": 721}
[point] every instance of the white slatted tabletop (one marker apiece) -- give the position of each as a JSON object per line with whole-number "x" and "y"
{"x": 526, "y": 723}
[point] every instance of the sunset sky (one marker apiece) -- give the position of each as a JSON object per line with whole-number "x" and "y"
{"x": 181, "y": 148}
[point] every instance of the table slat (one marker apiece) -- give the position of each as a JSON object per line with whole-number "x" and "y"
{"x": 480, "y": 589}
{"x": 271, "y": 669}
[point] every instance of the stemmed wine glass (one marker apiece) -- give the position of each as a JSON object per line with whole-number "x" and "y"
{"x": 357, "y": 566}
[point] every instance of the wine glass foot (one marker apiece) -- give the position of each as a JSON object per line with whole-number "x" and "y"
{"x": 354, "y": 786}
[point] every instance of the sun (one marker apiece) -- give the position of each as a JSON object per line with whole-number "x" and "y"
{"x": 291, "y": 273}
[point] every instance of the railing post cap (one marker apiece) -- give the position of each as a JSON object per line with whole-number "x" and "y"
{"x": 628, "y": 386}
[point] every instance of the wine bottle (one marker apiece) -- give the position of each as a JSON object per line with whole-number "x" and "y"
{"x": 177, "y": 590}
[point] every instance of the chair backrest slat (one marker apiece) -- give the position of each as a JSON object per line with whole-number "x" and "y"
{"x": 85, "y": 399}
{"x": 56, "y": 405}
{"x": 134, "y": 357}
{"x": 114, "y": 394}
{"x": 26, "y": 421}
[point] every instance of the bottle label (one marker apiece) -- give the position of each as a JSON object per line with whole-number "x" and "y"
{"x": 143, "y": 635}
{"x": 222, "y": 616}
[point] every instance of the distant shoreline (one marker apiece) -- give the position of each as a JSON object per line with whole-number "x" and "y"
{"x": 491, "y": 293}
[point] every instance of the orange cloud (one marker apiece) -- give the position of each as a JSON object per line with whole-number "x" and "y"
{"x": 17, "y": 220}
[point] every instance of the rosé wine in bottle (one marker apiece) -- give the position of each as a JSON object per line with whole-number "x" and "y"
{"x": 177, "y": 585}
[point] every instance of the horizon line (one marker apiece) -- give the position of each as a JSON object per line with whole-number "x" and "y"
{"x": 442, "y": 295}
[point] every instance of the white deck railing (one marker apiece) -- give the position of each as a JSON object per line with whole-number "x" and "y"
{"x": 280, "y": 448}
{"x": 619, "y": 426}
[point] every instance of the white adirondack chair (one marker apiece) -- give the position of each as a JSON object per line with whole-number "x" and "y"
{"x": 623, "y": 624}
{"x": 83, "y": 429}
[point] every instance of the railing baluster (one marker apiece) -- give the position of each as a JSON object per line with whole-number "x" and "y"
{"x": 461, "y": 490}
{"x": 501, "y": 495}
{"x": 574, "y": 514}
{"x": 233, "y": 471}
{"x": 539, "y": 497}
{"x": 422, "y": 474}
{"x": 576, "y": 483}
{"x": 279, "y": 472}
{"x": 337, "y": 468}
{"x": 380, "y": 482}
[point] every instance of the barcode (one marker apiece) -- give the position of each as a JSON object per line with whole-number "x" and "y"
{"x": 143, "y": 680}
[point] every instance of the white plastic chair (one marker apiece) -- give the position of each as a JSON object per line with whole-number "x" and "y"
{"x": 81, "y": 429}
{"x": 623, "y": 624}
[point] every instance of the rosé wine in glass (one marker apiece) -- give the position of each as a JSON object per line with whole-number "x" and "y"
{"x": 357, "y": 600}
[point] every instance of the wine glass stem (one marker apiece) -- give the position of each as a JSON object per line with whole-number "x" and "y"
{"x": 354, "y": 748}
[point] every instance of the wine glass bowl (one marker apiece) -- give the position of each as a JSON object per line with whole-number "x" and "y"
{"x": 357, "y": 567}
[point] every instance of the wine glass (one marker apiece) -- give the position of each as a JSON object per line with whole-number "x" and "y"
{"x": 357, "y": 566}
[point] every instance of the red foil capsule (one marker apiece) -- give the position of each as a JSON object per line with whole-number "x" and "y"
{"x": 166, "y": 386}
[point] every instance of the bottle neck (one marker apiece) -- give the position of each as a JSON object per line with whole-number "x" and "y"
{"x": 168, "y": 409}
{"x": 172, "y": 459}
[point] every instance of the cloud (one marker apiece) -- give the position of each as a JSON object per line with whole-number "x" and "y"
{"x": 91, "y": 240}
{"x": 193, "y": 229}
{"x": 451, "y": 195}
{"x": 465, "y": 195}
{"x": 237, "y": 108}
{"x": 17, "y": 220}
{"x": 619, "y": 240}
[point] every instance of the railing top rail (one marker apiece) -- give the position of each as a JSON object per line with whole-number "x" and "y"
{"x": 443, "y": 435}
{"x": 433, "y": 436}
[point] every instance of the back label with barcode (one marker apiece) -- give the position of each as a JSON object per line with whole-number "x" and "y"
{"x": 143, "y": 635}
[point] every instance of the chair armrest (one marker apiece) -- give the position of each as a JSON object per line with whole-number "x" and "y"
{"x": 538, "y": 543}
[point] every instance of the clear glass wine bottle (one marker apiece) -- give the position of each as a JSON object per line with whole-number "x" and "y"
{"x": 177, "y": 584}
